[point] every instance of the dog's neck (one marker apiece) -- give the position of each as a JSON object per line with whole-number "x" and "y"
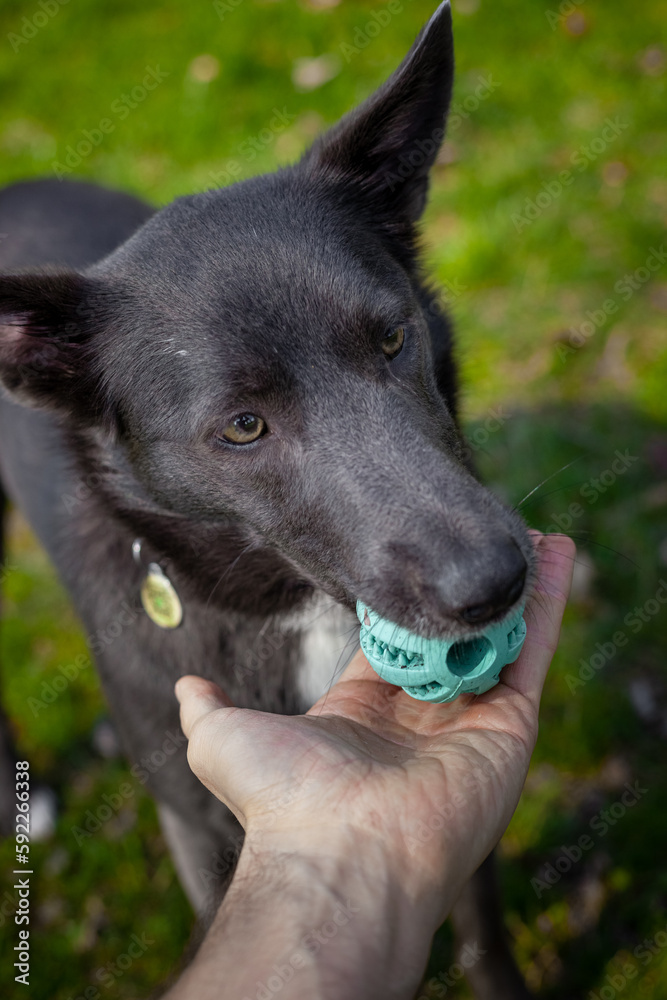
{"x": 222, "y": 563}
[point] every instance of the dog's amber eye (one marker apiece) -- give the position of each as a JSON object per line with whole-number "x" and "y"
{"x": 244, "y": 429}
{"x": 393, "y": 344}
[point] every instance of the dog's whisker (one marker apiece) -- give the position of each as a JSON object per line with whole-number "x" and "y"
{"x": 228, "y": 570}
{"x": 582, "y": 535}
{"x": 543, "y": 496}
{"x": 546, "y": 548}
{"x": 548, "y": 479}
{"x": 343, "y": 658}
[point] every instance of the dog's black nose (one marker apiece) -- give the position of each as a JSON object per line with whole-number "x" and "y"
{"x": 499, "y": 587}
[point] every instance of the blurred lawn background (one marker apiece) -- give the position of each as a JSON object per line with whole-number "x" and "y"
{"x": 523, "y": 265}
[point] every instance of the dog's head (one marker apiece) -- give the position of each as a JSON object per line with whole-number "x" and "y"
{"x": 265, "y": 359}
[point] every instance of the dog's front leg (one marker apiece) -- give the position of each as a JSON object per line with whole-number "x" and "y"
{"x": 205, "y": 860}
{"x": 481, "y": 941}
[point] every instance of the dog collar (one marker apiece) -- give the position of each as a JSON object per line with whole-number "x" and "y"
{"x": 158, "y": 595}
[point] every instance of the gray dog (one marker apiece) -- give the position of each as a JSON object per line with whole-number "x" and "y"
{"x": 257, "y": 386}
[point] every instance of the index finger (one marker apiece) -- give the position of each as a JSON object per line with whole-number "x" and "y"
{"x": 544, "y": 614}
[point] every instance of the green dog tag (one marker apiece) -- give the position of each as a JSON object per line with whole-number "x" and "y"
{"x": 160, "y": 600}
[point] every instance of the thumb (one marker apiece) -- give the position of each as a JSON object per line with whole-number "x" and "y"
{"x": 197, "y": 698}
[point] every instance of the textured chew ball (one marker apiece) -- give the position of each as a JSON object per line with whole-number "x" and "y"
{"x": 439, "y": 670}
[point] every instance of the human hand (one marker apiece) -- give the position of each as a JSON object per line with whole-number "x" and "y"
{"x": 433, "y": 786}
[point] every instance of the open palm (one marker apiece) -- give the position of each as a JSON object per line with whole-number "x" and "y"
{"x": 435, "y": 783}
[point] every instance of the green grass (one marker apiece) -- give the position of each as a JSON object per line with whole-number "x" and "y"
{"x": 519, "y": 291}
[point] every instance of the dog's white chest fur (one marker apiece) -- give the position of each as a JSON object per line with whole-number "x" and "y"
{"x": 330, "y": 638}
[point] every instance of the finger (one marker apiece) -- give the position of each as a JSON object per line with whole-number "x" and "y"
{"x": 544, "y": 614}
{"x": 197, "y": 698}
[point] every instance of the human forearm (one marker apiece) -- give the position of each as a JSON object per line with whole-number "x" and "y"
{"x": 325, "y": 919}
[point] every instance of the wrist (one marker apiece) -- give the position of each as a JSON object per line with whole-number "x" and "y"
{"x": 355, "y": 905}
{"x": 373, "y": 862}
{"x": 324, "y": 914}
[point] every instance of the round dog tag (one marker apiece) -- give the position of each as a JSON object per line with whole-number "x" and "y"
{"x": 160, "y": 600}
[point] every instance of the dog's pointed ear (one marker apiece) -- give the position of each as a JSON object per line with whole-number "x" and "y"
{"x": 386, "y": 147}
{"x": 47, "y": 323}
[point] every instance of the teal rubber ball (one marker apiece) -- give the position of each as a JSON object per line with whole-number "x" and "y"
{"x": 439, "y": 670}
